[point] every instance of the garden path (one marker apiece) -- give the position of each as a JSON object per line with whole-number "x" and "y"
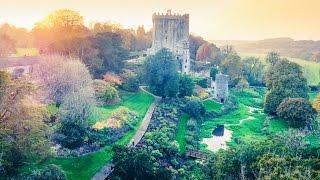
{"x": 107, "y": 169}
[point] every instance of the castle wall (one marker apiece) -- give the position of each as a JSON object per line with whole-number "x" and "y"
{"x": 221, "y": 90}
{"x": 171, "y": 31}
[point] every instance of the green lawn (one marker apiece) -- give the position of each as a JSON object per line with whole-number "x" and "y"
{"x": 311, "y": 70}
{"x": 181, "y": 132}
{"x": 211, "y": 105}
{"x": 84, "y": 167}
{"x": 137, "y": 102}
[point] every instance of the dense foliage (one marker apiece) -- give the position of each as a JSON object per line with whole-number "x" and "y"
{"x": 298, "y": 112}
{"x": 23, "y": 132}
{"x": 51, "y": 172}
{"x": 7, "y": 45}
{"x": 195, "y": 109}
{"x": 283, "y": 80}
{"x": 161, "y": 74}
{"x": 137, "y": 164}
{"x": 186, "y": 85}
{"x": 105, "y": 93}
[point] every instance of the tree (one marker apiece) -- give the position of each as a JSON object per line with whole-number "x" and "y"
{"x": 186, "y": 85}
{"x": 110, "y": 52}
{"x": 105, "y": 93}
{"x": 136, "y": 164}
{"x": 194, "y": 43}
{"x": 7, "y": 45}
{"x": 75, "y": 110}
{"x": 195, "y": 109}
{"x": 296, "y": 111}
{"x": 58, "y": 27}
{"x": 131, "y": 82}
{"x": 242, "y": 84}
{"x": 160, "y": 72}
{"x": 271, "y": 165}
{"x": 23, "y": 133}
{"x": 253, "y": 70}
{"x": 59, "y": 76}
{"x": 209, "y": 52}
{"x": 283, "y": 80}
{"x": 272, "y": 58}
{"x": 232, "y": 67}
{"x": 316, "y": 102}
{"x": 213, "y": 72}
{"x": 21, "y": 36}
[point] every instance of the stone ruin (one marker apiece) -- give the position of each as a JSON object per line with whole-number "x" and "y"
{"x": 221, "y": 88}
{"x": 171, "y": 31}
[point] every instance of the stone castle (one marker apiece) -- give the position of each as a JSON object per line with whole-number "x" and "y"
{"x": 171, "y": 31}
{"x": 221, "y": 88}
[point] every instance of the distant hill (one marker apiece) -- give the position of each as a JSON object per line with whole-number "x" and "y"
{"x": 304, "y": 49}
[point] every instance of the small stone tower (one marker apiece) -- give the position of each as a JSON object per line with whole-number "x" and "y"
{"x": 221, "y": 88}
{"x": 171, "y": 31}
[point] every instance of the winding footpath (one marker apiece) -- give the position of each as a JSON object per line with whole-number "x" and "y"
{"x": 107, "y": 169}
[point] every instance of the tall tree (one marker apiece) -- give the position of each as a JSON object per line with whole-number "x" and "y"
{"x": 23, "y": 133}
{"x": 283, "y": 80}
{"x": 272, "y": 58}
{"x": 54, "y": 32}
{"x": 253, "y": 70}
{"x": 232, "y": 67}
{"x": 161, "y": 73}
{"x": 7, "y": 45}
{"x": 194, "y": 43}
{"x": 58, "y": 76}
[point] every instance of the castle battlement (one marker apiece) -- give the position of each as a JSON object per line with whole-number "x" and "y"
{"x": 169, "y": 15}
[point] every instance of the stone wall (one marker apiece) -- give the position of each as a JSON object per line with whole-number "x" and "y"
{"x": 221, "y": 88}
{"x": 171, "y": 31}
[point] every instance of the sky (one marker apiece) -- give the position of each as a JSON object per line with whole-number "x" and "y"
{"x": 212, "y": 19}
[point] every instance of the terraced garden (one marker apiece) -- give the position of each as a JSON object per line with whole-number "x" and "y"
{"x": 84, "y": 167}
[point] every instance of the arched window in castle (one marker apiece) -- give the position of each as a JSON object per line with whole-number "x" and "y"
{"x": 166, "y": 38}
{"x": 186, "y": 60}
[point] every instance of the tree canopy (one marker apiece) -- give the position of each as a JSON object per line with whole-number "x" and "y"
{"x": 160, "y": 72}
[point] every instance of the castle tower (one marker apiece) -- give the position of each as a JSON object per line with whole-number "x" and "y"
{"x": 221, "y": 88}
{"x": 171, "y": 31}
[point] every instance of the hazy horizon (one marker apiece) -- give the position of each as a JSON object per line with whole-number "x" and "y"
{"x": 212, "y": 19}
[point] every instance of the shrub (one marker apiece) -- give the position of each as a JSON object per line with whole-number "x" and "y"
{"x": 105, "y": 92}
{"x": 186, "y": 86}
{"x": 51, "y": 172}
{"x": 113, "y": 79}
{"x": 71, "y": 134}
{"x": 131, "y": 83}
{"x": 195, "y": 109}
{"x": 242, "y": 84}
{"x": 296, "y": 111}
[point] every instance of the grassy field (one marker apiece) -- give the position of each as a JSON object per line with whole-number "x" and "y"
{"x": 311, "y": 70}
{"x": 84, "y": 167}
{"x": 181, "y": 132}
{"x": 251, "y": 128}
{"x": 212, "y": 105}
